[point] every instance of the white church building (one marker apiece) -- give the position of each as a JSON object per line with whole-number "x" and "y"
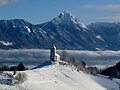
{"x": 53, "y": 55}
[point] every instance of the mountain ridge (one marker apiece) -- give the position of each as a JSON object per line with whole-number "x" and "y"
{"x": 66, "y": 31}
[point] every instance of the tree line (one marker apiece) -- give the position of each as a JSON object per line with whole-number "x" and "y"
{"x": 19, "y": 67}
{"x": 113, "y": 71}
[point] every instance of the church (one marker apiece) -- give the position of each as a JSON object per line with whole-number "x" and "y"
{"x": 53, "y": 55}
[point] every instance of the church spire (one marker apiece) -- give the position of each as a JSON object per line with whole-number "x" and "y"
{"x": 53, "y": 55}
{"x": 53, "y": 45}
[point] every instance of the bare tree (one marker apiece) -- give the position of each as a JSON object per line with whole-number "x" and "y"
{"x": 14, "y": 71}
{"x": 64, "y": 55}
{"x": 81, "y": 66}
{"x": 73, "y": 61}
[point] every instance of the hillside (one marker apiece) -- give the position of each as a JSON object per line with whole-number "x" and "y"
{"x": 59, "y": 77}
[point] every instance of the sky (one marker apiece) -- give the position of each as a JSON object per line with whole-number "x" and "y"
{"x": 40, "y": 11}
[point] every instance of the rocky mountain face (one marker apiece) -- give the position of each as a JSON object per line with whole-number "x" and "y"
{"x": 108, "y": 32}
{"x": 71, "y": 33}
{"x": 66, "y": 31}
{"x": 18, "y": 33}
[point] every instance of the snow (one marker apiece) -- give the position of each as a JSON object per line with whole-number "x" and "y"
{"x": 67, "y": 18}
{"x": 99, "y": 37}
{"x": 59, "y": 77}
{"x": 43, "y": 64}
{"x": 83, "y": 25}
{"x": 6, "y": 43}
{"x": 28, "y": 29}
{"x": 14, "y": 26}
{"x": 98, "y": 49}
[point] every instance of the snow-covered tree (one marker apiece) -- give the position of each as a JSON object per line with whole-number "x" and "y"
{"x": 21, "y": 77}
{"x": 92, "y": 70}
{"x": 81, "y": 65}
{"x": 64, "y": 55}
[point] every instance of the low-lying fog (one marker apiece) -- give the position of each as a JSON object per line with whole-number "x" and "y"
{"x": 33, "y": 57}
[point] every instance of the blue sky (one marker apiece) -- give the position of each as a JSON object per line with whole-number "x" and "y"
{"x": 39, "y": 11}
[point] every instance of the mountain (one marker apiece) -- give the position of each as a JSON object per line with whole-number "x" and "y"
{"x": 66, "y": 31}
{"x": 18, "y": 33}
{"x": 71, "y": 33}
{"x": 108, "y": 32}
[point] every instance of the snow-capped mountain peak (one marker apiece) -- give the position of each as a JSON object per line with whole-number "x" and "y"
{"x": 67, "y": 18}
{"x": 65, "y": 15}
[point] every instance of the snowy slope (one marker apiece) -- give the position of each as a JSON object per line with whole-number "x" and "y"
{"x": 58, "y": 77}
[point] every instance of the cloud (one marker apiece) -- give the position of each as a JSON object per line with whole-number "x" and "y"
{"x": 110, "y": 18}
{"x": 3, "y": 2}
{"x": 103, "y": 7}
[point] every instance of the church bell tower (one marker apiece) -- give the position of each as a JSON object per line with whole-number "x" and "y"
{"x": 53, "y": 55}
{"x": 52, "y": 52}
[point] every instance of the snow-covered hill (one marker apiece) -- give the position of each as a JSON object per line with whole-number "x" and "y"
{"x": 59, "y": 77}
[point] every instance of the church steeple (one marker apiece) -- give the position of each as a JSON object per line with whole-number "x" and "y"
{"x": 52, "y": 52}
{"x": 53, "y": 55}
{"x": 53, "y": 46}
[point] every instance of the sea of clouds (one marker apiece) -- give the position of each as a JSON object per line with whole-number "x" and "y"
{"x": 33, "y": 57}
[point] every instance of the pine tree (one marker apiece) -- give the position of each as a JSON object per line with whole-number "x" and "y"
{"x": 21, "y": 67}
